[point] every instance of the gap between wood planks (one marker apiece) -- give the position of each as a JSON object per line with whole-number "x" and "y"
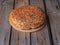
{"x": 11, "y": 26}
{"x": 48, "y": 24}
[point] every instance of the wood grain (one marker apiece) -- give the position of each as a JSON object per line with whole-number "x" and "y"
{"x": 5, "y": 8}
{"x": 54, "y": 16}
{"x": 14, "y": 37}
{"x": 40, "y": 37}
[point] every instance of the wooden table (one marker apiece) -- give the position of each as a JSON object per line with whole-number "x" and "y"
{"x": 49, "y": 35}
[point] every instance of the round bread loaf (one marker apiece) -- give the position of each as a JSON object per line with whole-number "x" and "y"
{"x": 27, "y": 18}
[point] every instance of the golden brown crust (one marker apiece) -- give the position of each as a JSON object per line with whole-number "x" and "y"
{"x": 27, "y": 17}
{"x": 30, "y": 30}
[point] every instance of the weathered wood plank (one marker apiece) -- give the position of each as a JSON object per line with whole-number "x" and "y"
{"x": 19, "y": 3}
{"x": 54, "y": 16}
{"x": 40, "y": 37}
{"x": 5, "y": 8}
{"x": 14, "y": 37}
{"x": 20, "y": 38}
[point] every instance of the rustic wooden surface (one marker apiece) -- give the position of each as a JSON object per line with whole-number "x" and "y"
{"x": 53, "y": 8}
{"x": 5, "y": 8}
{"x": 9, "y": 36}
